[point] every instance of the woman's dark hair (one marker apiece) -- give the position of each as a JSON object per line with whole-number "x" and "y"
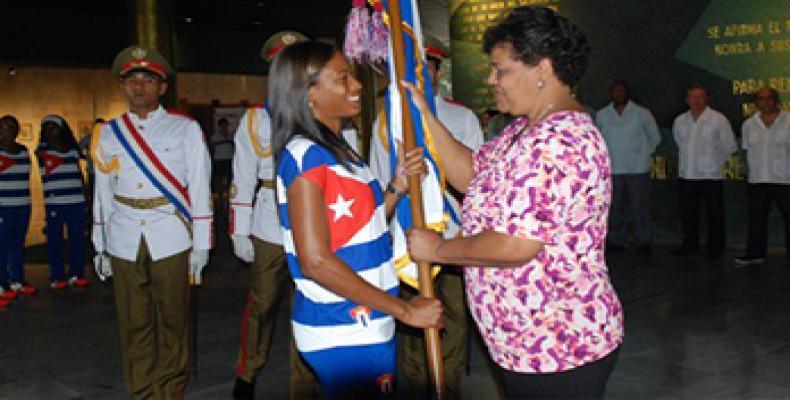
{"x": 13, "y": 120}
{"x": 65, "y": 130}
{"x": 292, "y": 73}
{"x": 535, "y": 33}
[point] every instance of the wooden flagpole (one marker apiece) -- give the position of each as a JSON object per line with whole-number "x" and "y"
{"x": 432, "y": 344}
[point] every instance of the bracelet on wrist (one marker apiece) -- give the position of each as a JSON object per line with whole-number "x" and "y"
{"x": 391, "y": 189}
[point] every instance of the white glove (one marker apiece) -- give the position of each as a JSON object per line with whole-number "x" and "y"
{"x": 242, "y": 247}
{"x": 197, "y": 261}
{"x": 101, "y": 264}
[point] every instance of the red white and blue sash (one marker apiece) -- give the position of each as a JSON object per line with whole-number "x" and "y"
{"x": 150, "y": 165}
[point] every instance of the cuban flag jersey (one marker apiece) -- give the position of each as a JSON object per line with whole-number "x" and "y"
{"x": 359, "y": 235}
{"x": 14, "y": 179}
{"x": 61, "y": 176}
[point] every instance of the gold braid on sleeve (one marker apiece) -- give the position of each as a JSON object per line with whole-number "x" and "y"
{"x": 107, "y": 168}
{"x": 252, "y": 125}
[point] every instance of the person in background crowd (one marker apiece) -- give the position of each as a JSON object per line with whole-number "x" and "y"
{"x": 496, "y": 124}
{"x": 631, "y": 135}
{"x": 464, "y": 126}
{"x": 64, "y": 200}
{"x": 85, "y": 150}
{"x": 222, "y": 155}
{"x": 485, "y": 118}
{"x": 257, "y": 239}
{"x": 487, "y": 115}
{"x": 705, "y": 140}
{"x": 14, "y": 211}
{"x": 535, "y": 217}
{"x": 766, "y": 138}
{"x": 153, "y": 220}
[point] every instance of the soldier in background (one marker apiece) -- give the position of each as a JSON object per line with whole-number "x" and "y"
{"x": 462, "y": 123}
{"x": 257, "y": 238}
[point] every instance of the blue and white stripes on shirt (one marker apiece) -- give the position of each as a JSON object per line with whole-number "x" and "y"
{"x": 14, "y": 179}
{"x": 321, "y": 319}
{"x": 60, "y": 176}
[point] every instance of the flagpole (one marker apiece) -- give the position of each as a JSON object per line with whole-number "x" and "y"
{"x": 432, "y": 344}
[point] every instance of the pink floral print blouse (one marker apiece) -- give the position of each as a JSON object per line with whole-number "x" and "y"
{"x": 550, "y": 183}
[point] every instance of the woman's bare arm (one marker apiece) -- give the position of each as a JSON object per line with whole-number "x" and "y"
{"x": 455, "y": 157}
{"x": 488, "y": 248}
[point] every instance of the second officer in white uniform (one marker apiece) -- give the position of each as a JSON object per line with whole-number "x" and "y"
{"x": 257, "y": 238}
{"x": 463, "y": 124}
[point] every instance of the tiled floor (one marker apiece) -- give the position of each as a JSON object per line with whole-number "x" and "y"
{"x": 695, "y": 329}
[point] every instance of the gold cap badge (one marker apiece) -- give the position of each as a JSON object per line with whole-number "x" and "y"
{"x": 139, "y": 53}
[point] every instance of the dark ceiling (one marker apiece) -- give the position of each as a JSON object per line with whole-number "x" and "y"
{"x": 210, "y": 35}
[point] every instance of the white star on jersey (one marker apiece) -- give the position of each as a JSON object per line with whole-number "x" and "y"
{"x": 342, "y": 208}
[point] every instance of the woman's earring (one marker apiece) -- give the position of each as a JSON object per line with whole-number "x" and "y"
{"x": 541, "y": 84}
{"x": 310, "y": 103}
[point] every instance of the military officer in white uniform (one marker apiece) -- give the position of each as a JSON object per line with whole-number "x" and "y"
{"x": 464, "y": 125}
{"x": 154, "y": 249}
{"x": 257, "y": 238}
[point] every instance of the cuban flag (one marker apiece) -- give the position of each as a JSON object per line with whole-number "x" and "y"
{"x": 441, "y": 211}
{"x": 51, "y": 161}
{"x": 6, "y": 163}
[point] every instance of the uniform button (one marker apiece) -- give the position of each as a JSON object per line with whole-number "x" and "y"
{"x": 139, "y": 185}
{"x": 142, "y": 222}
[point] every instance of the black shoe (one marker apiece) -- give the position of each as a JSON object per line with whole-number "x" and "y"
{"x": 745, "y": 261}
{"x": 243, "y": 389}
{"x": 686, "y": 251}
{"x": 645, "y": 250}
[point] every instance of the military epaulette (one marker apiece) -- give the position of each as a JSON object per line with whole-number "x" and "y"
{"x": 175, "y": 112}
{"x": 252, "y": 130}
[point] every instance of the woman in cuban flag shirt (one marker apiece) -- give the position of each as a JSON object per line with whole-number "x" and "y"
{"x": 334, "y": 219}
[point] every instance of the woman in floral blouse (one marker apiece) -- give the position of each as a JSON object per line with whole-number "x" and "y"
{"x": 535, "y": 212}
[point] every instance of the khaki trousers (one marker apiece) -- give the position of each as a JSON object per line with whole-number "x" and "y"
{"x": 269, "y": 282}
{"x": 412, "y": 363}
{"x": 152, "y": 300}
